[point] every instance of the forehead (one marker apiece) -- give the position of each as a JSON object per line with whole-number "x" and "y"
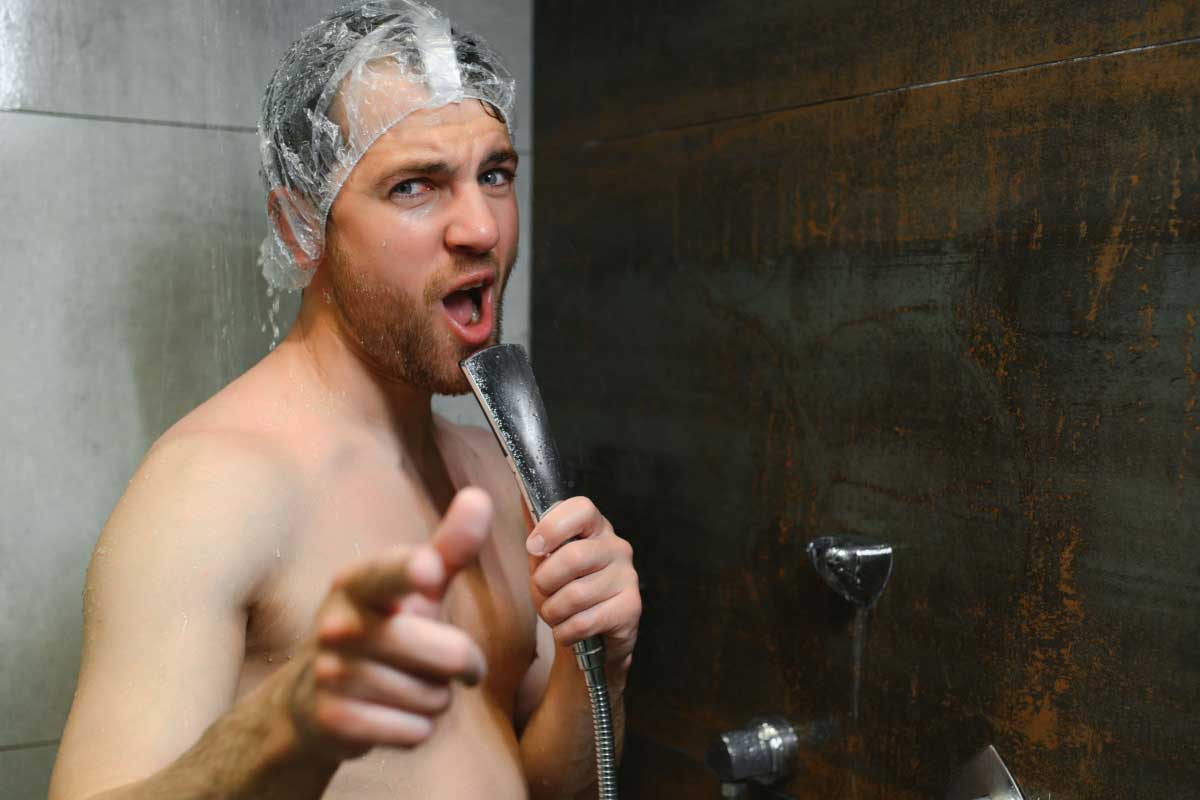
{"x": 458, "y": 131}
{"x": 375, "y": 95}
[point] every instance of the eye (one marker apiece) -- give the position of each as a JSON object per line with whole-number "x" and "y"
{"x": 411, "y": 188}
{"x": 498, "y": 178}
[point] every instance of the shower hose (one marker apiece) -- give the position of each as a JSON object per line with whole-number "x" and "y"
{"x": 590, "y": 655}
{"x": 507, "y": 391}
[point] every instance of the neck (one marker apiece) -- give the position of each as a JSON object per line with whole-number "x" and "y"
{"x": 397, "y": 413}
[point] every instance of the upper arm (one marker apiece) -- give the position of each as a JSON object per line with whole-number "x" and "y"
{"x": 165, "y": 612}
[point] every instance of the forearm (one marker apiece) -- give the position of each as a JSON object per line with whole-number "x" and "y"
{"x": 557, "y": 745}
{"x": 250, "y": 753}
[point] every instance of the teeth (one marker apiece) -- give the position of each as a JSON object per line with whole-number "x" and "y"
{"x": 474, "y": 314}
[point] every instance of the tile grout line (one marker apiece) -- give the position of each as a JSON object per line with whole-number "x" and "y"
{"x": 166, "y": 123}
{"x": 974, "y": 76}
{"x": 8, "y": 748}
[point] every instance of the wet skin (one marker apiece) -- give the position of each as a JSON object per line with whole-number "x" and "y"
{"x": 294, "y": 598}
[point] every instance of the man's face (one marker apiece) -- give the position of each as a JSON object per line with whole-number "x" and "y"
{"x": 420, "y": 242}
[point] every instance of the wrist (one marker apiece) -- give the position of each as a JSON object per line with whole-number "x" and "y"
{"x": 288, "y": 743}
{"x": 566, "y": 670}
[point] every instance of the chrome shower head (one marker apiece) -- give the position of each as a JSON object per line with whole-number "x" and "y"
{"x": 857, "y": 569}
{"x": 507, "y": 391}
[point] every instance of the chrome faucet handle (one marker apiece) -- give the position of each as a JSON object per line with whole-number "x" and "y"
{"x": 764, "y": 751}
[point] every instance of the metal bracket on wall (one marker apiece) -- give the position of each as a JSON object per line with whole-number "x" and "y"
{"x": 857, "y": 569}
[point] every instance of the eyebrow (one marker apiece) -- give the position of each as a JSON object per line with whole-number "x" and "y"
{"x": 442, "y": 168}
{"x": 500, "y": 157}
{"x": 414, "y": 168}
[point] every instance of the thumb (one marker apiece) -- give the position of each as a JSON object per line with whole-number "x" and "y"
{"x": 463, "y": 530}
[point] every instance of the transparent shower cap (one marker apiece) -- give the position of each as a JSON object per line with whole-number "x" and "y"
{"x": 347, "y": 81}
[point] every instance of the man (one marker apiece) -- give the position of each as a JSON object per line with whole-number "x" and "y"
{"x": 297, "y": 596}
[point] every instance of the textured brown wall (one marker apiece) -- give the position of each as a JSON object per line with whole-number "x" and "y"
{"x": 928, "y": 272}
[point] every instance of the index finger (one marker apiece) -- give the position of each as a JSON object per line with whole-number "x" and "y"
{"x": 382, "y": 581}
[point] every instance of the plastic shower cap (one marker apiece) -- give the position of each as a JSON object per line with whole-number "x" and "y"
{"x": 320, "y": 115}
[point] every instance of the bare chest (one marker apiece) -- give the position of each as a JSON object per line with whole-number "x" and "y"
{"x": 363, "y": 514}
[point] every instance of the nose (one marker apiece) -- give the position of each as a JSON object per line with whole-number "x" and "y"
{"x": 473, "y": 228}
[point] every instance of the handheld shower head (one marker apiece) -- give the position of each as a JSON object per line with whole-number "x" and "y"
{"x": 503, "y": 382}
{"x": 504, "y": 385}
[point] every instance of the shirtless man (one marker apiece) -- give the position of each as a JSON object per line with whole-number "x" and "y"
{"x": 298, "y": 596}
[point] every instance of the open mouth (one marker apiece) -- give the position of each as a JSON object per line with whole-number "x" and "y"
{"x": 469, "y": 309}
{"x": 465, "y": 306}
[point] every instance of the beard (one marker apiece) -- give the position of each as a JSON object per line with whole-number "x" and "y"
{"x": 399, "y": 334}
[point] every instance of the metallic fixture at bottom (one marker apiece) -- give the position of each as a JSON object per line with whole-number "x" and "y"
{"x": 765, "y": 751}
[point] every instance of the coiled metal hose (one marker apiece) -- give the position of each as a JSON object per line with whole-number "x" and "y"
{"x": 590, "y": 655}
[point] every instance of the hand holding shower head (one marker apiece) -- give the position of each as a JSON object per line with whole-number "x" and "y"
{"x": 503, "y": 382}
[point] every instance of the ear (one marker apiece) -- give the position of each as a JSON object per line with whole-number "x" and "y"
{"x": 296, "y": 224}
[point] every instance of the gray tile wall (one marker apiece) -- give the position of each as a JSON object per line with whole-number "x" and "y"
{"x": 130, "y": 214}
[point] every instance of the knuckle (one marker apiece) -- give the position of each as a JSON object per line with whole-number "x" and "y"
{"x": 576, "y": 595}
{"x": 575, "y": 628}
{"x": 330, "y": 716}
{"x": 329, "y": 670}
{"x": 635, "y": 604}
{"x": 574, "y": 558}
{"x": 543, "y": 579}
{"x": 626, "y": 548}
{"x": 338, "y": 626}
{"x": 552, "y": 612}
{"x": 580, "y": 503}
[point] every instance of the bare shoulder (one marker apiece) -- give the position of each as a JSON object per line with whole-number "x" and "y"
{"x": 227, "y": 470}
{"x": 246, "y": 472}
{"x": 210, "y": 501}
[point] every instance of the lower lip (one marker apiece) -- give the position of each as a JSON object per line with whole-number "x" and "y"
{"x": 478, "y": 333}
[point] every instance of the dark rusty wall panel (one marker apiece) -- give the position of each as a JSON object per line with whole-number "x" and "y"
{"x": 616, "y": 69}
{"x": 961, "y": 317}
